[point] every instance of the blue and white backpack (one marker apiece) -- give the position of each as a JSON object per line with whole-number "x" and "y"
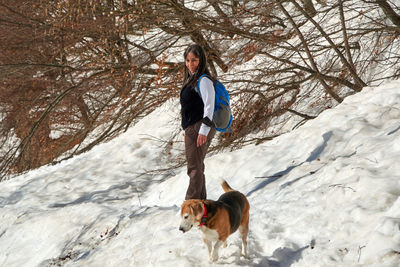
{"x": 222, "y": 117}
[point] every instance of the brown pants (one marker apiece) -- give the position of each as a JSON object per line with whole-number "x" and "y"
{"x": 195, "y": 161}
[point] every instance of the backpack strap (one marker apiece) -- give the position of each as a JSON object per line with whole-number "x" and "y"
{"x": 198, "y": 83}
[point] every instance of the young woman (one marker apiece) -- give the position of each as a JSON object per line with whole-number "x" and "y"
{"x": 197, "y": 112}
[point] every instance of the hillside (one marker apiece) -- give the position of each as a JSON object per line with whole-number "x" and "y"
{"x": 325, "y": 194}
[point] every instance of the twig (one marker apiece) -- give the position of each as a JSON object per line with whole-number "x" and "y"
{"x": 359, "y": 252}
{"x": 269, "y": 177}
{"x": 342, "y": 186}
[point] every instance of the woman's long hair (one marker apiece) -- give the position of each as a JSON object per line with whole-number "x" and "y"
{"x": 191, "y": 79}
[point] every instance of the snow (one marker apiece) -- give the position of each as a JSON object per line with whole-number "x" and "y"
{"x": 325, "y": 194}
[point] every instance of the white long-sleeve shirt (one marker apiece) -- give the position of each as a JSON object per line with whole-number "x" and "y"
{"x": 208, "y": 95}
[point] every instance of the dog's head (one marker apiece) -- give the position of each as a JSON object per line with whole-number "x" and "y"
{"x": 191, "y": 214}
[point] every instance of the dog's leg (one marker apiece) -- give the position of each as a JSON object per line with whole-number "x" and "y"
{"x": 209, "y": 247}
{"x": 243, "y": 232}
{"x": 215, "y": 251}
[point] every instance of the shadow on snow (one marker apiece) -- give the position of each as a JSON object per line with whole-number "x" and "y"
{"x": 314, "y": 155}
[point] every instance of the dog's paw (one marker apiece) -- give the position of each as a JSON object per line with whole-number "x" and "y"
{"x": 214, "y": 257}
{"x": 225, "y": 244}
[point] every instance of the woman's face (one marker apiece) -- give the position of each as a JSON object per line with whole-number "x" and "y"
{"x": 192, "y": 62}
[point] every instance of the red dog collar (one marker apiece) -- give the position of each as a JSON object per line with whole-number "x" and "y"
{"x": 204, "y": 218}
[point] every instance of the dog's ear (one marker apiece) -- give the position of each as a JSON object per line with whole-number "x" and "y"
{"x": 197, "y": 210}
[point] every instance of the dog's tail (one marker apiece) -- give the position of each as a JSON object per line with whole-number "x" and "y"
{"x": 226, "y": 186}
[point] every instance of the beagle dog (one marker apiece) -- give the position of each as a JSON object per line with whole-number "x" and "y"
{"x": 218, "y": 219}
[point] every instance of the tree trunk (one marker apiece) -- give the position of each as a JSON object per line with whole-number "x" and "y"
{"x": 309, "y": 7}
{"x": 390, "y": 13}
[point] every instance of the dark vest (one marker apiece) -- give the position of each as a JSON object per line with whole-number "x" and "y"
{"x": 192, "y": 106}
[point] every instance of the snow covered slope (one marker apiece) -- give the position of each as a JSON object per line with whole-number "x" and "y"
{"x": 326, "y": 194}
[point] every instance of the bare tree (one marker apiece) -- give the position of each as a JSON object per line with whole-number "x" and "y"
{"x": 73, "y": 77}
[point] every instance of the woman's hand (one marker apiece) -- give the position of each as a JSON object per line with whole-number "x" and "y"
{"x": 201, "y": 139}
